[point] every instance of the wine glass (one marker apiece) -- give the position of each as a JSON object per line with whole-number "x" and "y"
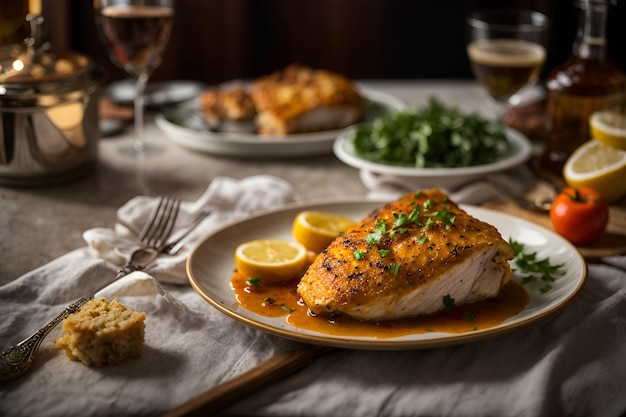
{"x": 506, "y": 49}
{"x": 136, "y": 32}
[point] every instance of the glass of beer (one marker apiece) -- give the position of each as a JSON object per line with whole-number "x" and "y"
{"x": 506, "y": 49}
{"x": 136, "y": 32}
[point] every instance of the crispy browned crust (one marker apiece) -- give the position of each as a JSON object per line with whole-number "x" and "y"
{"x": 283, "y": 96}
{"x": 338, "y": 281}
{"x": 232, "y": 103}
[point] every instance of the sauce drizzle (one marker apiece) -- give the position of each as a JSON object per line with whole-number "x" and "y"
{"x": 279, "y": 300}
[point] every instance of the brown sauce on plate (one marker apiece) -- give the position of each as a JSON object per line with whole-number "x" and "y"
{"x": 283, "y": 300}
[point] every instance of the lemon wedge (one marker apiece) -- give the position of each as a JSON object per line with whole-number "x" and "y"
{"x": 271, "y": 260}
{"x": 609, "y": 127}
{"x": 315, "y": 229}
{"x": 601, "y": 167}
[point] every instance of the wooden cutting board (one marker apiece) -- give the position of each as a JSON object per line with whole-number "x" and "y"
{"x": 530, "y": 120}
{"x": 613, "y": 242}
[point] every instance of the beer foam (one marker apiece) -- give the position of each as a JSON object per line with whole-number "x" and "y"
{"x": 506, "y": 52}
{"x": 131, "y": 11}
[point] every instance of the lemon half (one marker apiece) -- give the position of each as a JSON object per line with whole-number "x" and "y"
{"x": 315, "y": 229}
{"x": 609, "y": 127}
{"x": 271, "y": 260}
{"x": 601, "y": 167}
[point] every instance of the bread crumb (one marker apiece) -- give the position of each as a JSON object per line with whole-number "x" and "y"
{"x": 102, "y": 333}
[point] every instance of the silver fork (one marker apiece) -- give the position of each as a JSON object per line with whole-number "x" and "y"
{"x": 17, "y": 359}
{"x": 153, "y": 236}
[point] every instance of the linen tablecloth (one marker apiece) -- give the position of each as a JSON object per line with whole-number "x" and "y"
{"x": 573, "y": 363}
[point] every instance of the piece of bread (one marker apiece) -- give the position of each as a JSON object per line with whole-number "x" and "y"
{"x": 300, "y": 99}
{"x": 102, "y": 333}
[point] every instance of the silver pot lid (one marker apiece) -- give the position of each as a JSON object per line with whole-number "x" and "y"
{"x": 30, "y": 69}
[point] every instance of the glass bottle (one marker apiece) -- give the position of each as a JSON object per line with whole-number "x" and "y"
{"x": 587, "y": 81}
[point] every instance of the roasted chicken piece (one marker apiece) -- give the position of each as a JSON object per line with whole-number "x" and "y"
{"x": 412, "y": 257}
{"x": 300, "y": 99}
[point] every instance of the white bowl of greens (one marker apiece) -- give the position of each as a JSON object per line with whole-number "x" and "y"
{"x": 432, "y": 147}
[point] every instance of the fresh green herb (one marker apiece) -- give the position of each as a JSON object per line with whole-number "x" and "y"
{"x": 436, "y": 136}
{"x": 422, "y": 239}
{"x": 545, "y": 289}
{"x": 395, "y": 268}
{"x": 286, "y": 308}
{"x": 475, "y": 328}
{"x": 400, "y": 219}
{"x": 470, "y": 317}
{"x": 253, "y": 282}
{"x": 535, "y": 268}
{"x": 375, "y": 237}
{"x": 401, "y": 223}
{"x": 448, "y": 302}
{"x": 359, "y": 254}
{"x": 384, "y": 252}
{"x": 444, "y": 216}
{"x": 269, "y": 300}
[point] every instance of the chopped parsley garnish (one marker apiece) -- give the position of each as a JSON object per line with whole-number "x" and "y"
{"x": 401, "y": 225}
{"x": 375, "y": 237}
{"x": 286, "y": 308}
{"x": 422, "y": 239}
{"x": 545, "y": 289}
{"x": 269, "y": 300}
{"x": 253, "y": 282}
{"x": 444, "y": 216}
{"x": 448, "y": 302}
{"x": 535, "y": 268}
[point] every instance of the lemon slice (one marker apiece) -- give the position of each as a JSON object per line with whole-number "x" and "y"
{"x": 598, "y": 166}
{"x": 609, "y": 127}
{"x": 271, "y": 260}
{"x": 315, "y": 229}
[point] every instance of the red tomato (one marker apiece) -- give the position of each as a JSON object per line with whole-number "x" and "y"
{"x": 579, "y": 214}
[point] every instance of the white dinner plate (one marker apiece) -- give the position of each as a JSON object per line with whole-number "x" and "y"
{"x": 518, "y": 152}
{"x": 244, "y": 145}
{"x": 157, "y": 95}
{"x": 211, "y": 266}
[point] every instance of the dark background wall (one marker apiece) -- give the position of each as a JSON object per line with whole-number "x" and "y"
{"x": 218, "y": 40}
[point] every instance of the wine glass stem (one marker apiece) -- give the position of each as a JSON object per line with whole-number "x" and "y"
{"x": 138, "y": 142}
{"x": 500, "y": 108}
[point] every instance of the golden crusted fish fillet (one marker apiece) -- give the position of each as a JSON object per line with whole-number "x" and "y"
{"x": 406, "y": 259}
{"x": 300, "y": 99}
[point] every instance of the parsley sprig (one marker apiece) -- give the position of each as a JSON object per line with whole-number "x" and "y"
{"x": 420, "y": 216}
{"x": 402, "y": 221}
{"x": 535, "y": 268}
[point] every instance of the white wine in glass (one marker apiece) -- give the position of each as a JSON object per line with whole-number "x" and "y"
{"x": 136, "y": 32}
{"x": 506, "y": 49}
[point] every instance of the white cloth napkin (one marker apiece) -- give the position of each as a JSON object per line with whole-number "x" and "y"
{"x": 226, "y": 199}
{"x": 474, "y": 191}
{"x": 189, "y": 345}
